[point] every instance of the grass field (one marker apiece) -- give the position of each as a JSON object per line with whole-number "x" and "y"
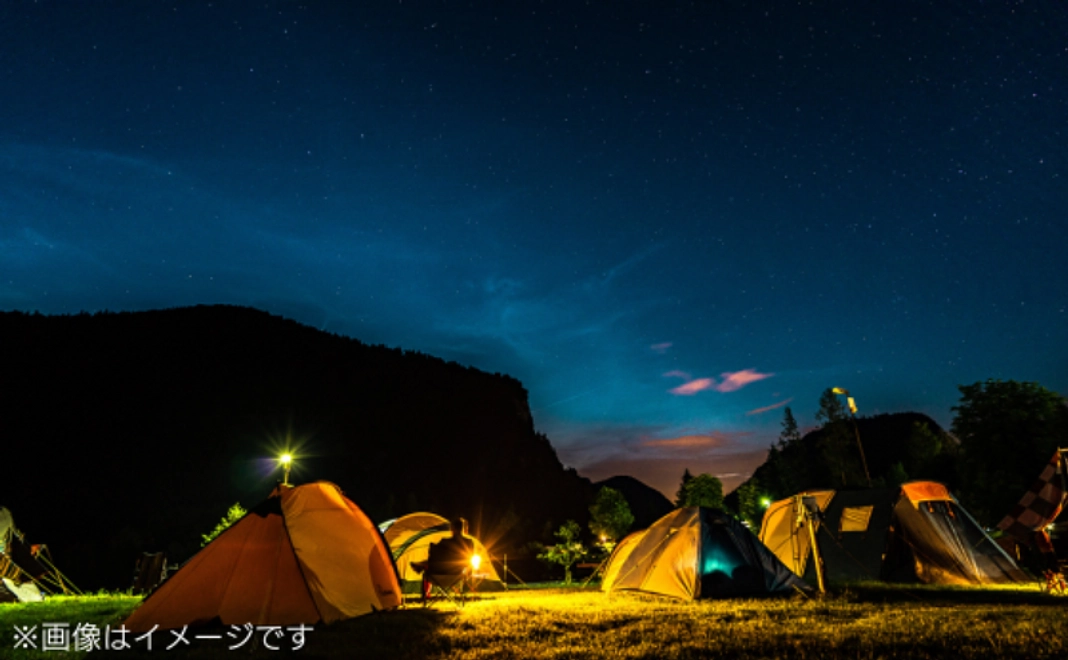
{"x": 861, "y": 621}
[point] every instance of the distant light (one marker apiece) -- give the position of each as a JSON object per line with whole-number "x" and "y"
{"x": 765, "y": 502}
{"x": 285, "y": 459}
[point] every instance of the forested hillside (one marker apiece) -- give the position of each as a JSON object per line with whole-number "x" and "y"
{"x": 134, "y": 432}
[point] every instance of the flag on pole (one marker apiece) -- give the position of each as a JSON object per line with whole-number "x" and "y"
{"x": 1040, "y": 505}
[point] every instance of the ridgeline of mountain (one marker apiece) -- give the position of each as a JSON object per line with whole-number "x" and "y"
{"x": 646, "y": 503}
{"x": 898, "y": 447}
{"x": 132, "y": 432}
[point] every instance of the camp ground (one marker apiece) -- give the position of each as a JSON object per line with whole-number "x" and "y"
{"x": 307, "y": 554}
{"x": 918, "y": 532}
{"x": 409, "y": 538}
{"x": 696, "y": 552}
{"x": 308, "y": 563}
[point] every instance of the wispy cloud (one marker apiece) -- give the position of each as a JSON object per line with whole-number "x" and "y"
{"x": 685, "y": 442}
{"x": 774, "y": 406}
{"x": 630, "y": 263}
{"x": 739, "y": 379}
{"x": 731, "y": 381}
{"x": 660, "y": 348}
{"x": 693, "y": 387}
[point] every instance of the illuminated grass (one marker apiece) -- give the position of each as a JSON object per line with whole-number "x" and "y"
{"x": 586, "y": 625}
{"x": 863, "y": 621}
{"x": 100, "y": 609}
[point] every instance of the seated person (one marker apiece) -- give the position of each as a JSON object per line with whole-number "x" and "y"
{"x": 449, "y": 557}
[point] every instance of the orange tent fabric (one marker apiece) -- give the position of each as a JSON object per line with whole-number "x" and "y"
{"x": 306, "y": 555}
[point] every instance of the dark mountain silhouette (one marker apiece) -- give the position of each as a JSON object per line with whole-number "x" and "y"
{"x": 646, "y": 503}
{"x": 131, "y": 432}
{"x": 897, "y": 447}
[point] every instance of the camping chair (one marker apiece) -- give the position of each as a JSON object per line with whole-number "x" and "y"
{"x": 149, "y": 571}
{"x": 452, "y": 587}
{"x": 449, "y": 572}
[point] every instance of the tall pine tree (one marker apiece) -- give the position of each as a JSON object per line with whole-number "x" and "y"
{"x": 837, "y": 444}
{"x": 680, "y": 496}
{"x": 789, "y": 434}
{"x": 786, "y": 460}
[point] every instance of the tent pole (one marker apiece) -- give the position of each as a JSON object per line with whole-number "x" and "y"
{"x": 809, "y": 523}
{"x": 506, "y": 572}
{"x": 600, "y": 567}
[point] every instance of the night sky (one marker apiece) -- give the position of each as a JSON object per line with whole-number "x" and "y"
{"x": 669, "y": 220}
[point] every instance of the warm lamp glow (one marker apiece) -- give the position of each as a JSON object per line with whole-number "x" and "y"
{"x": 476, "y": 561}
{"x": 286, "y": 460}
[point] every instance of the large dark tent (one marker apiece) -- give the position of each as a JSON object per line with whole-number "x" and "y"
{"x": 696, "y": 553}
{"x": 917, "y": 532}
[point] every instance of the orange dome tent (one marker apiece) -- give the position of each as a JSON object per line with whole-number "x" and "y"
{"x": 306, "y": 555}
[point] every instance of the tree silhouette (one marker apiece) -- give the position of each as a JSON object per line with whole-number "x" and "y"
{"x": 610, "y": 515}
{"x": 680, "y": 495}
{"x": 837, "y": 446}
{"x": 750, "y": 508}
{"x": 702, "y": 490}
{"x": 1008, "y": 431}
{"x": 568, "y": 550}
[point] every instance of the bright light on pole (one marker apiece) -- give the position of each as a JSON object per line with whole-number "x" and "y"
{"x": 286, "y": 460}
{"x": 856, "y": 429}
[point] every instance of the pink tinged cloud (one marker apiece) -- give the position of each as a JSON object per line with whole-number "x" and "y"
{"x": 683, "y": 442}
{"x": 661, "y": 348}
{"x": 774, "y": 406}
{"x": 693, "y": 387}
{"x": 739, "y": 379}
